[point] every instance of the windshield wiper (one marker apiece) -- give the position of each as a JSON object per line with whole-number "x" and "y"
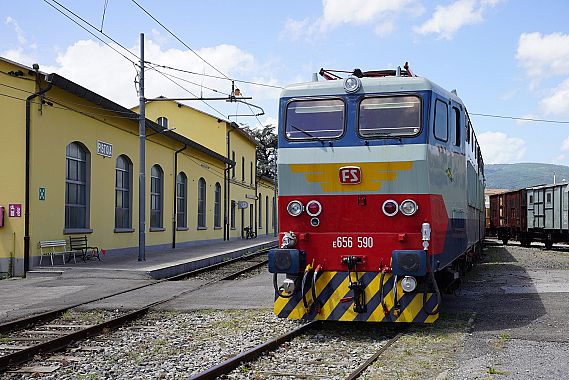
{"x": 308, "y": 134}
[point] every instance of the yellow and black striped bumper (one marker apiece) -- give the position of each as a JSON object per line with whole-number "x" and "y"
{"x": 334, "y": 302}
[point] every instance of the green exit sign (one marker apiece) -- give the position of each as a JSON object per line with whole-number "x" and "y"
{"x": 42, "y": 193}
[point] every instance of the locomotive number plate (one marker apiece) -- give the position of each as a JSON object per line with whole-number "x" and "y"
{"x": 353, "y": 242}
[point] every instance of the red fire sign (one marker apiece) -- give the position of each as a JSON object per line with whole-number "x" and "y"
{"x": 350, "y": 175}
{"x": 15, "y": 210}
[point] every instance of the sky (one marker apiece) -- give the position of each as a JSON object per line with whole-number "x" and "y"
{"x": 507, "y": 58}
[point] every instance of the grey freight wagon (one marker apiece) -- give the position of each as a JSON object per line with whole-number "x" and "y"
{"x": 548, "y": 213}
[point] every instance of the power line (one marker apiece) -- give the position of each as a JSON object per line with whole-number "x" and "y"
{"x": 216, "y": 76}
{"x": 179, "y": 40}
{"x": 521, "y": 118}
{"x": 88, "y": 31}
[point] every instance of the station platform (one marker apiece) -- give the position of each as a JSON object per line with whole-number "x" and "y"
{"x": 158, "y": 264}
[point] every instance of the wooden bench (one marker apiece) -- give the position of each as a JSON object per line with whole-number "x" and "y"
{"x": 80, "y": 244}
{"x": 55, "y": 247}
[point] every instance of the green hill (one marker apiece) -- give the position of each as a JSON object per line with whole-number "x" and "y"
{"x": 516, "y": 176}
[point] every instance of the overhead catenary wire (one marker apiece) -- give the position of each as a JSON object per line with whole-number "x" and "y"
{"x": 118, "y": 44}
{"x": 521, "y": 118}
{"x": 178, "y": 38}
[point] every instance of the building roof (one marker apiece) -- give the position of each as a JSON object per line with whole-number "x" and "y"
{"x": 82, "y": 92}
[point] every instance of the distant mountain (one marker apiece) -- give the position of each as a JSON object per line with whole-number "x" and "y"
{"x": 517, "y": 176}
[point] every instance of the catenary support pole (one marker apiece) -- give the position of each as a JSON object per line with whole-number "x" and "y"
{"x": 142, "y": 175}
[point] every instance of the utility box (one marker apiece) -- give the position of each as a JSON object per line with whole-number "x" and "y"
{"x": 1, "y": 216}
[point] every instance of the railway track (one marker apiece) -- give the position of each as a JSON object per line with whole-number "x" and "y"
{"x": 23, "y": 339}
{"x": 248, "y": 358}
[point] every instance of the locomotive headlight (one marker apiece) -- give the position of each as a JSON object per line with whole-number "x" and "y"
{"x": 390, "y": 207}
{"x": 408, "y": 283}
{"x": 313, "y": 208}
{"x": 352, "y": 84}
{"x": 408, "y": 207}
{"x": 295, "y": 208}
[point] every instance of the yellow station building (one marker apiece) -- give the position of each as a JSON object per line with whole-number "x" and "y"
{"x": 69, "y": 167}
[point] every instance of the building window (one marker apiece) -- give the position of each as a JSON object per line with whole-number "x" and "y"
{"x": 242, "y": 169}
{"x": 163, "y": 121}
{"x": 441, "y": 120}
{"x": 233, "y": 209}
{"x": 234, "y": 164}
{"x": 156, "y": 196}
{"x": 123, "y": 192}
{"x": 217, "y": 206}
{"x": 77, "y": 186}
{"x": 260, "y": 211}
{"x": 201, "y": 203}
{"x": 251, "y": 173}
{"x": 181, "y": 200}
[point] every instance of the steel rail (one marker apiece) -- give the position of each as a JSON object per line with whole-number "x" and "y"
{"x": 233, "y": 276}
{"x": 251, "y": 354}
{"x": 62, "y": 342}
{"x": 59, "y": 343}
{"x": 358, "y": 371}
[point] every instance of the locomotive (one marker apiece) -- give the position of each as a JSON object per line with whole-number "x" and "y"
{"x": 381, "y": 197}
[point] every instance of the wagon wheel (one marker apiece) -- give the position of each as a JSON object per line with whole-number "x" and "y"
{"x": 548, "y": 244}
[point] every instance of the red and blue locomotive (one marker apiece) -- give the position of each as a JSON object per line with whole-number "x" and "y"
{"x": 381, "y": 194}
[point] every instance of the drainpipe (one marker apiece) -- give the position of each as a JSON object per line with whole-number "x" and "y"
{"x": 227, "y": 187}
{"x": 28, "y": 153}
{"x": 175, "y": 193}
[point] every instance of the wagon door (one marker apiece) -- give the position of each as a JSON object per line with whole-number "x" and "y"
{"x": 530, "y": 200}
{"x": 538, "y": 209}
{"x": 548, "y": 209}
{"x": 565, "y": 209}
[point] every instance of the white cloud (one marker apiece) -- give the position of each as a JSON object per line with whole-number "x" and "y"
{"x": 98, "y": 68}
{"x": 379, "y": 13}
{"x": 543, "y": 55}
{"x": 19, "y": 32}
{"x": 498, "y": 148}
{"x": 565, "y": 145}
{"x": 447, "y": 20}
{"x": 557, "y": 103}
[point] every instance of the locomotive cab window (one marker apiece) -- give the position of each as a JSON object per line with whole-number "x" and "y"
{"x": 315, "y": 119}
{"x": 441, "y": 120}
{"x": 390, "y": 116}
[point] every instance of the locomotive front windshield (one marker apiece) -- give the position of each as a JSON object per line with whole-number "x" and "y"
{"x": 314, "y": 119}
{"x": 390, "y": 116}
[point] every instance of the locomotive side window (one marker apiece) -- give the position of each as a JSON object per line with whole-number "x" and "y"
{"x": 314, "y": 119}
{"x": 457, "y": 126}
{"x": 390, "y": 116}
{"x": 468, "y": 128}
{"x": 441, "y": 120}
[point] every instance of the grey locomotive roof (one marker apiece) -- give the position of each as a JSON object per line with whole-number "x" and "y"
{"x": 369, "y": 85}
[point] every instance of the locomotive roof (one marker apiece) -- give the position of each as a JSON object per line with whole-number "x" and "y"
{"x": 369, "y": 85}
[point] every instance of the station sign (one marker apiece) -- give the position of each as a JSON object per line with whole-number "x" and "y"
{"x": 104, "y": 149}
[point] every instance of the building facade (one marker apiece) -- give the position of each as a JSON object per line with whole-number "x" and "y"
{"x": 69, "y": 165}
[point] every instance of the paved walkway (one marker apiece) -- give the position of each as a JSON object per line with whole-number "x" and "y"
{"x": 49, "y": 288}
{"x": 158, "y": 264}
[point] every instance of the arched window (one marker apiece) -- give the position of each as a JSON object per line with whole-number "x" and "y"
{"x": 260, "y": 208}
{"x": 156, "y": 196}
{"x": 217, "y": 206}
{"x": 235, "y": 164}
{"x": 242, "y": 169}
{"x": 251, "y": 173}
{"x": 77, "y": 186}
{"x": 201, "y": 203}
{"x": 181, "y": 200}
{"x": 123, "y": 193}
{"x": 163, "y": 121}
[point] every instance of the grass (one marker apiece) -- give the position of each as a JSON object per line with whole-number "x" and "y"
{"x": 494, "y": 371}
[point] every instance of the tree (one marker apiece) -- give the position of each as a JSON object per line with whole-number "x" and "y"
{"x": 266, "y": 149}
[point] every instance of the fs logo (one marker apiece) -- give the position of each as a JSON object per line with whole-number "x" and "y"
{"x": 350, "y": 175}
